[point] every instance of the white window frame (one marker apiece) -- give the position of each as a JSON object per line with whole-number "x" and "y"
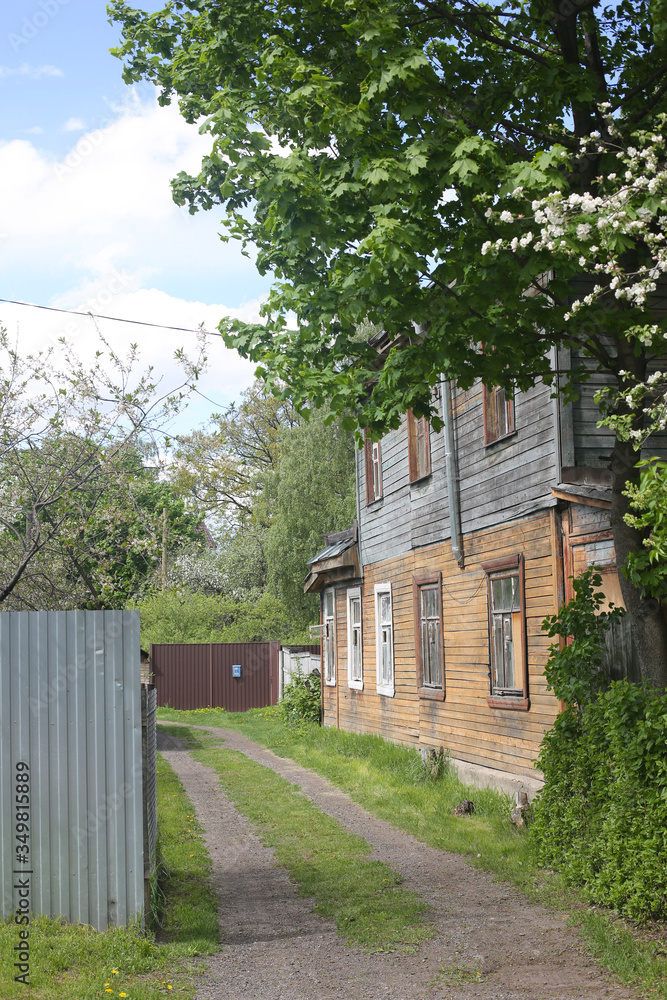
{"x": 356, "y": 683}
{"x": 385, "y": 688}
{"x": 329, "y": 636}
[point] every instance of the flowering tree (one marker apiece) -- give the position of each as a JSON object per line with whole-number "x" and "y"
{"x": 80, "y": 516}
{"x": 435, "y": 162}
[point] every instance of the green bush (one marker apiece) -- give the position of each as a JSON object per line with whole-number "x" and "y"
{"x": 302, "y": 698}
{"x": 178, "y": 616}
{"x": 602, "y": 815}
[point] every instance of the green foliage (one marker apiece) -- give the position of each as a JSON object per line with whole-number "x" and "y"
{"x": 118, "y": 548}
{"x": 302, "y": 698}
{"x": 647, "y": 568}
{"x": 574, "y": 670}
{"x": 410, "y": 137}
{"x": 315, "y": 494}
{"x": 79, "y": 509}
{"x": 602, "y": 816}
{"x": 275, "y": 482}
{"x": 173, "y": 616}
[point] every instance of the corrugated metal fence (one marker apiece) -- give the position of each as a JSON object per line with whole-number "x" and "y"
{"x": 230, "y": 675}
{"x": 71, "y": 823}
{"x": 149, "y": 766}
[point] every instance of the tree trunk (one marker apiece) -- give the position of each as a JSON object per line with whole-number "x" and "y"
{"x": 647, "y": 617}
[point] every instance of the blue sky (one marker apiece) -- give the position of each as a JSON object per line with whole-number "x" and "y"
{"x": 86, "y": 217}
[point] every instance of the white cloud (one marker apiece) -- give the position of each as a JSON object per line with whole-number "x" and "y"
{"x": 100, "y": 226}
{"x": 35, "y": 130}
{"x": 110, "y": 196}
{"x": 34, "y": 72}
{"x": 74, "y": 125}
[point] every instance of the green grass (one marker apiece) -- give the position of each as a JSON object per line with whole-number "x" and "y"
{"x": 328, "y": 864}
{"x": 391, "y": 783}
{"x": 77, "y": 963}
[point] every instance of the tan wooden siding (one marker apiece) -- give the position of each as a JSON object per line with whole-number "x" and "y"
{"x": 464, "y": 722}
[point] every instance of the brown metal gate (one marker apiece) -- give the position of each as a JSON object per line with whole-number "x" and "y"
{"x": 231, "y": 675}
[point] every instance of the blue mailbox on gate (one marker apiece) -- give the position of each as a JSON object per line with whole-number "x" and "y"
{"x": 236, "y": 669}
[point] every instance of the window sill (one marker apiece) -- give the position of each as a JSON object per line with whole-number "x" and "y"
{"x": 330, "y": 684}
{"x": 388, "y": 691}
{"x": 503, "y": 437}
{"x": 508, "y": 702}
{"x": 374, "y": 503}
{"x": 431, "y": 694}
{"x": 355, "y": 685}
{"x": 420, "y": 479}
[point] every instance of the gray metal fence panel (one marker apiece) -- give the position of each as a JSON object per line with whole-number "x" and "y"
{"x": 70, "y": 709}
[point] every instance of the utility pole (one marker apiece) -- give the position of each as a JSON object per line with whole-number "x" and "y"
{"x": 164, "y": 548}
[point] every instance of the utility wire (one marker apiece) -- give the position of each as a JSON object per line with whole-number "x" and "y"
{"x": 117, "y": 319}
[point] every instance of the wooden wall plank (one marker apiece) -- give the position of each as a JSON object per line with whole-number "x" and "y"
{"x": 463, "y": 722}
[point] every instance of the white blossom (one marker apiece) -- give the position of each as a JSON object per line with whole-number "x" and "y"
{"x": 506, "y": 216}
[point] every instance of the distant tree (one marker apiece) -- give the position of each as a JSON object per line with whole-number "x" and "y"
{"x": 66, "y": 436}
{"x": 225, "y": 466}
{"x": 315, "y": 494}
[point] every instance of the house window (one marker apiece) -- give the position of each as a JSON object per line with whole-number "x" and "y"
{"x": 419, "y": 451}
{"x": 384, "y": 640}
{"x": 428, "y": 636}
{"x": 507, "y": 634}
{"x": 498, "y": 415}
{"x": 373, "y": 461}
{"x": 355, "y": 677}
{"x": 329, "y": 637}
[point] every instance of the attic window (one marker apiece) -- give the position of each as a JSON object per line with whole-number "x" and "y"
{"x": 373, "y": 463}
{"x": 419, "y": 450}
{"x": 498, "y": 415}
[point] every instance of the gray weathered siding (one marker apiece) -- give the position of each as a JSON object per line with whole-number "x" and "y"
{"x": 592, "y": 444}
{"x": 508, "y": 479}
{"x": 512, "y": 477}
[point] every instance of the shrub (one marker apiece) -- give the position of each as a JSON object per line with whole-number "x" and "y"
{"x": 302, "y": 698}
{"x": 602, "y": 815}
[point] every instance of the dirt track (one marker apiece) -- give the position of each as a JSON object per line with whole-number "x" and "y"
{"x": 274, "y": 947}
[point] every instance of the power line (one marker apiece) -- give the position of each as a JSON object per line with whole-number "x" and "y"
{"x": 117, "y": 319}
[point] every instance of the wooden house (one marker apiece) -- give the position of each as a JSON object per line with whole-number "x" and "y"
{"x": 432, "y": 604}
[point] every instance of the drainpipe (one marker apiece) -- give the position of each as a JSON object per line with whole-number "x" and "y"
{"x": 452, "y": 473}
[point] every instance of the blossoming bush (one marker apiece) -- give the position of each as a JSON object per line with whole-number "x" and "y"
{"x": 616, "y": 239}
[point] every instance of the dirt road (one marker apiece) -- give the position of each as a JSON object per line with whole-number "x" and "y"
{"x": 490, "y": 943}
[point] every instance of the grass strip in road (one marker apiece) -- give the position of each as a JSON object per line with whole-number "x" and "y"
{"x": 79, "y": 963}
{"x": 329, "y": 864}
{"x": 391, "y": 782}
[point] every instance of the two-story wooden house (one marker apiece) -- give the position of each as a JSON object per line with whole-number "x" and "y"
{"x": 466, "y": 539}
